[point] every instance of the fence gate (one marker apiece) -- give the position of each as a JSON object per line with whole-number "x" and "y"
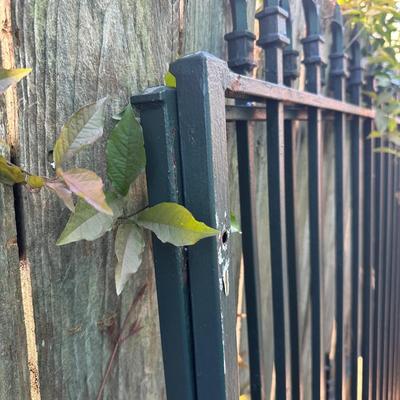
{"x": 186, "y": 144}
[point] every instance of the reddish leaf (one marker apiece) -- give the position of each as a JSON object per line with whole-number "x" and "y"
{"x": 87, "y": 185}
{"x": 62, "y": 192}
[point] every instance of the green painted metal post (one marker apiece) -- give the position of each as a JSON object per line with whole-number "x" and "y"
{"x": 354, "y": 87}
{"x": 368, "y": 246}
{"x": 201, "y": 108}
{"x": 240, "y": 60}
{"x": 313, "y": 62}
{"x": 338, "y": 77}
{"x": 158, "y": 113}
{"x": 272, "y": 22}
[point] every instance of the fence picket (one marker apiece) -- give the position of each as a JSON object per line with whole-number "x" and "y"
{"x": 354, "y": 87}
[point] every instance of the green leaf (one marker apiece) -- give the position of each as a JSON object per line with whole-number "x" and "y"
{"x": 173, "y": 223}
{"x": 10, "y": 77}
{"x": 10, "y": 173}
{"x": 387, "y": 150}
{"x": 126, "y": 157}
{"x": 374, "y": 135}
{"x": 129, "y": 247}
{"x": 62, "y": 191}
{"x": 394, "y": 138}
{"x": 170, "y": 80}
{"x": 381, "y": 120}
{"x": 87, "y": 185}
{"x": 352, "y": 12}
{"x": 383, "y": 80}
{"x": 85, "y": 224}
{"x": 392, "y": 125}
{"x": 35, "y": 181}
{"x": 235, "y": 227}
{"x": 82, "y": 129}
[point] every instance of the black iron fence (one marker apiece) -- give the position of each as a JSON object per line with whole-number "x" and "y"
{"x": 185, "y": 135}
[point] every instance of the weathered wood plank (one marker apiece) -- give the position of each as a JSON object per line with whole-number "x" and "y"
{"x": 80, "y": 51}
{"x": 14, "y": 374}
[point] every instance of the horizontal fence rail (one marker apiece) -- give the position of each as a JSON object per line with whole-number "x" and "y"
{"x": 186, "y": 143}
{"x": 240, "y": 86}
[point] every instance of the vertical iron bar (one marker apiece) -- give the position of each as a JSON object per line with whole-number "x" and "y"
{"x": 397, "y": 333}
{"x": 272, "y": 22}
{"x": 387, "y": 267}
{"x": 339, "y": 132}
{"x": 356, "y": 206}
{"x": 388, "y": 292}
{"x": 201, "y": 108}
{"x": 396, "y": 349}
{"x": 338, "y": 80}
{"x": 393, "y": 279}
{"x": 164, "y": 183}
{"x": 292, "y": 260}
{"x": 377, "y": 160}
{"x": 368, "y": 232}
{"x": 396, "y": 266}
{"x": 240, "y": 51}
{"x": 382, "y": 272}
{"x": 248, "y": 217}
{"x": 290, "y": 72}
{"x": 313, "y": 63}
{"x": 368, "y": 340}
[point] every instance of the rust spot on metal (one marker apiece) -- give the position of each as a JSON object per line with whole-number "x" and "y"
{"x": 235, "y": 83}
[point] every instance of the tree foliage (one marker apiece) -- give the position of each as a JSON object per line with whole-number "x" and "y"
{"x": 378, "y": 22}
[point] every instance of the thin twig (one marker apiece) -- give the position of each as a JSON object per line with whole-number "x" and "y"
{"x": 125, "y": 217}
{"x": 135, "y": 328}
{"x": 353, "y": 39}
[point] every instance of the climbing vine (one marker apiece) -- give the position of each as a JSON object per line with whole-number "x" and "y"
{"x": 95, "y": 211}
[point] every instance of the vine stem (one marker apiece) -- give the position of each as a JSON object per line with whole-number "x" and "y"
{"x": 134, "y": 329}
{"x": 125, "y": 217}
{"x": 356, "y": 36}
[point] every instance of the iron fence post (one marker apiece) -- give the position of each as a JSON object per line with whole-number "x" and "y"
{"x": 313, "y": 62}
{"x": 240, "y": 59}
{"x": 338, "y": 77}
{"x": 201, "y": 108}
{"x": 272, "y": 23}
{"x": 355, "y": 83}
{"x": 368, "y": 245}
{"x": 382, "y": 272}
{"x": 290, "y": 73}
{"x": 393, "y": 278}
{"x": 388, "y": 279}
{"x": 158, "y": 113}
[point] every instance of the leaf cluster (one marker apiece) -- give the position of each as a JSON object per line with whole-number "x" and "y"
{"x": 94, "y": 212}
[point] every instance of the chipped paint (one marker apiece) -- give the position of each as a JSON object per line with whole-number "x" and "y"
{"x": 223, "y": 341}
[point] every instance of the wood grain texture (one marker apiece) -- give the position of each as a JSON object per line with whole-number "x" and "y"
{"x": 81, "y": 51}
{"x": 14, "y": 374}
